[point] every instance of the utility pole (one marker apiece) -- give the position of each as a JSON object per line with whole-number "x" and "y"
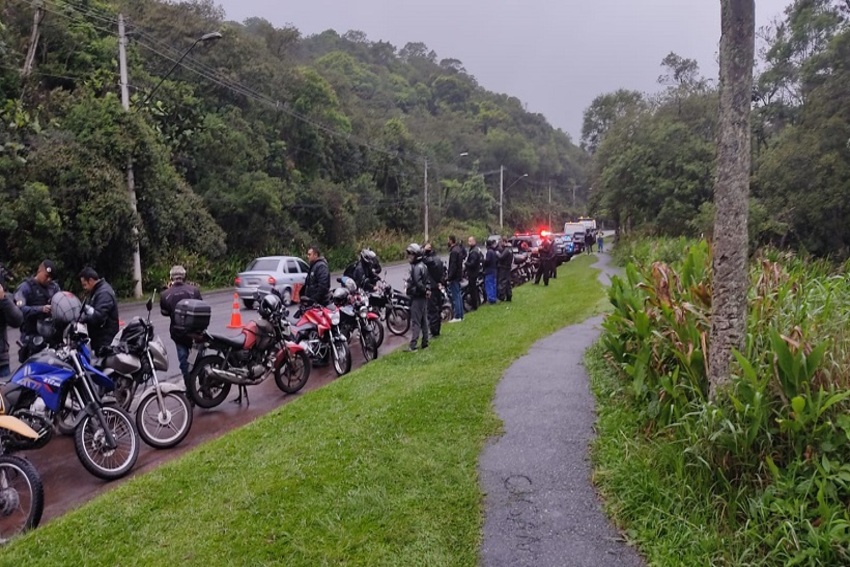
{"x": 426, "y": 199}
{"x": 36, "y": 34}
{"x": 501, "y": 194}
{"x": 131, "y": 183}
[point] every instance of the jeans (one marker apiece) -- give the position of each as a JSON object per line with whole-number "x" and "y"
{"x": 490, "y": 287}
{"x": 600, "y": 245}
{"x": 183, "y": 358}
{"x": 457, "y": 299}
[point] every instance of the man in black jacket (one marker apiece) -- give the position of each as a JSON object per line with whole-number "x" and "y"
{"x": 474, "y": 261}
{"x": 506, "y": 263}
{"x": 547, "y": 260}
{"x": 317, "y": 286}
{"x": 437, "y": 273}
{"x": 455, "y": 274}
{"x": 33, "y": 299}
{"x": 10, "y": 316}
{"x": 419, "y": 290}
{"x": 177, "y": 292}
{"x": 101, "y": 316}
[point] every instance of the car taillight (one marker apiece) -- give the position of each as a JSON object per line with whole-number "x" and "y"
{"x": 272, "y": 281}
{"x": 238, "y": 281}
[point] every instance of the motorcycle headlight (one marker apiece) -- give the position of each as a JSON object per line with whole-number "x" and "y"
{"x": 363, "y": 311}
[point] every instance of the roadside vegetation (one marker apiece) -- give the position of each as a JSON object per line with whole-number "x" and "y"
{"x": 378, "y": 467}
{"x": 762, "y": 476}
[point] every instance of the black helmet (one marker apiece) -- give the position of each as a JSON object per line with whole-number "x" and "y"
{"x": 270, "y": 305}
{"x": 340, "y": 296}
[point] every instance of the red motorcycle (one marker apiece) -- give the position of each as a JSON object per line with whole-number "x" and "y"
{"x": 318, "y": 331}
{"x": 263, "y": 348}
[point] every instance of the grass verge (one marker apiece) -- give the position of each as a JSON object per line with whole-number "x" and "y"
{"x": 377, "y": 468}
{"x": 674, "y": 523}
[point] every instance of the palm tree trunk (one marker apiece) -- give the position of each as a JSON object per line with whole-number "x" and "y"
{"x": 731, "y": 189}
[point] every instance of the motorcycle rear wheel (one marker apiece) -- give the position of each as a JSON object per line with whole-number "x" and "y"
{"x": 293, "y": 374}
{"x": 21, "y": 497}
{"x": 207, "y": 392}
{"x": 89, "y": 442}
{"x": 398, "y": 320}
{"x": 377, "y": 330}
{"x": 164, "y": 427}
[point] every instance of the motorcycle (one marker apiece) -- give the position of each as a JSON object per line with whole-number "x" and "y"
{"x": 21, "y": 488}
{"x": 318, "y": 331}
{"x": 355, "y": 316}
{"x": 54, "y": 381}
{"x": 393, "y": 307}
{"x": 263, "y": 348}
{"x": 164, "y": 413}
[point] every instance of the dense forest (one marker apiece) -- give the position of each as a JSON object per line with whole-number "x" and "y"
{"x": 260, "y": 141}
{"x": 653, "y": 156}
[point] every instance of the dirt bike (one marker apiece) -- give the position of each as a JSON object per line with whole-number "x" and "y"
{"x": 163, "y": 413}
{"x": 21, "y": 488}
{"x": 263, "y": 348}
{"x": 53, "y": 381}
{"x": 318, "y": 331}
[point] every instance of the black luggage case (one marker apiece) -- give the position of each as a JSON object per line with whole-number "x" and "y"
{"x": 192, "y": 316}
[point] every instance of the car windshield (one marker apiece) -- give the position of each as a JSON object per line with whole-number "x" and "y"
{"x": 263, "y": 265}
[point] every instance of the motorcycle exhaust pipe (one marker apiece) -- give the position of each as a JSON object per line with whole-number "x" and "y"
{"x": 247, "y": 379}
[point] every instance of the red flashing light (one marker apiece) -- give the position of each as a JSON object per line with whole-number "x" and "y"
{"x": 238, "y": 281}
{"x": 544, "y": 233}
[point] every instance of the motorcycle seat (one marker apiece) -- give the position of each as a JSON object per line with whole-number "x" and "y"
{"x": 237, "y": 341}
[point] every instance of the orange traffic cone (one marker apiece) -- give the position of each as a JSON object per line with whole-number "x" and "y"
{"x": 296, "y": 292}
{"x": 235, "y": 316}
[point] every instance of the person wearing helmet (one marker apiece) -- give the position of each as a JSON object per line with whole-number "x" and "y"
{"x": 33, "y": 299}
{"x": 419, "y": 290}
{"x": 177, "y": 292}
{"x": 367, "y": 271}
{"x": 437, "y": 272}
{"x": 491, "y": 269}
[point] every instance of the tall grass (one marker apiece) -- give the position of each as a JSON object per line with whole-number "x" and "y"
{"x": 771, "y": 458}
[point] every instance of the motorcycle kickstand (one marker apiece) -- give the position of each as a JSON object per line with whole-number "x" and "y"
{"x": 238, "y": 400}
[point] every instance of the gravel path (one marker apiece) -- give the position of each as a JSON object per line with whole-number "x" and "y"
{"x": 541, "y": 508}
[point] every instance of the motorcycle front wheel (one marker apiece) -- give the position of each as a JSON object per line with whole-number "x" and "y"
{"x": 377, "y": 330}
{"x": 206, "y": 391}
{"x": 398, "y": 320}
{"x": 165, "y": 426}
{"x": 341, "y": 355}
{"x": 21, "y": 497}
{"x": 368, "y": 347}
{"x": 90, "y": 443}
{"x": 293, "y": 374}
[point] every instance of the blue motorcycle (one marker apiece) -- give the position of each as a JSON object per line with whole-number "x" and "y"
{"x": 63, "y": 382}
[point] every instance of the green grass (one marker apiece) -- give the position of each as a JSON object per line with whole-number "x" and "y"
{"x": 377, "y": 468}
{"x": 640, "y": 479}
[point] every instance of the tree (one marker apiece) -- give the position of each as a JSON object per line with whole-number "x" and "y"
{"x": 731, "y": 190}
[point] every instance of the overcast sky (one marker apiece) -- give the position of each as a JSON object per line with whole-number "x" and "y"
{"x": 554, "y": 55}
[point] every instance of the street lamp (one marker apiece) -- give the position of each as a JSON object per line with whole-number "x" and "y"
{"x": 502, "y": 190}
{"x": 212, "y": 36}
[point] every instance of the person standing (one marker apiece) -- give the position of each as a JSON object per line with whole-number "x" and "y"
{"x": 491, "y": 270}
{"x": 454, "y": 276}
{"x": 474, "y": 260}
{"x": 437, "y": 272}
{"x": 588, "y": 242}
{"x": 506, "y": 263}
{"x": 10, "y": 316}
{"x": 600, "y": 243}
{"x": 546, "y": 260}
{"x": 177, "y": 292}
{"x": 33, "y": 299}
{"x": 419, "y": 291}
{"x": 101, "y": 316}
{"x": 317, "y": 285}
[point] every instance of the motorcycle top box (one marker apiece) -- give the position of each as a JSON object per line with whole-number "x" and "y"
{"x": 192, "y": 315}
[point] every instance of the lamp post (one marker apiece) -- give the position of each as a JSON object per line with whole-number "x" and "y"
{"x": 502, "y": 190}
